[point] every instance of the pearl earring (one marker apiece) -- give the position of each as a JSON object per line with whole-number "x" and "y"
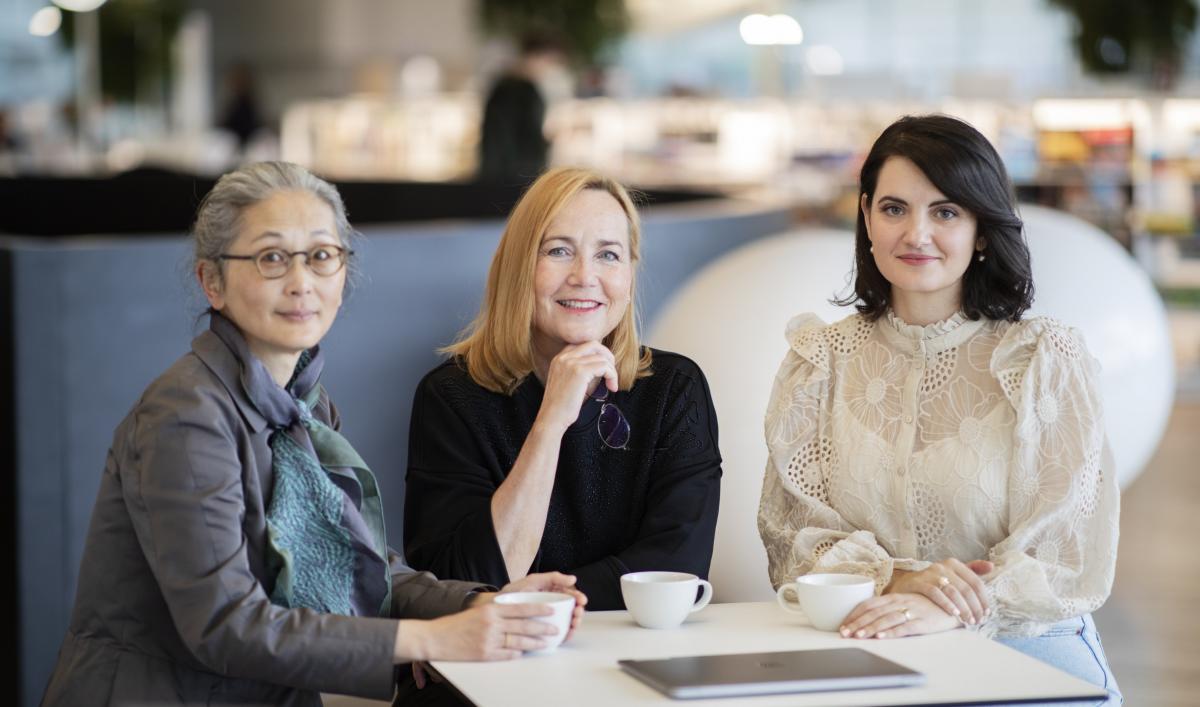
{"x": 981, "y": 257}
{"x": 870, "y": 249}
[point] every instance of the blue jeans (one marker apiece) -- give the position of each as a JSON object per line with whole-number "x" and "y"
{"x": 1073, "y": 646}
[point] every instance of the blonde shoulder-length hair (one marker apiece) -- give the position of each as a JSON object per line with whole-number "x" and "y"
{"x": 497, "y": 347}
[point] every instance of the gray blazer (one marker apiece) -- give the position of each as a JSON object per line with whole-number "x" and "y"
{"x": 172, "y": 605}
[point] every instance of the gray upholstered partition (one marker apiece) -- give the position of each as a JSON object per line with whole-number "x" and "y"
{"x": 93, "y": 321}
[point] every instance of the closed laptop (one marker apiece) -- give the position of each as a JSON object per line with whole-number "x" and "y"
{"x": 705, "y": 676}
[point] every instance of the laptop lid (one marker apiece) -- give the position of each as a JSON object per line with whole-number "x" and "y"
{"x": 734, "y": 675}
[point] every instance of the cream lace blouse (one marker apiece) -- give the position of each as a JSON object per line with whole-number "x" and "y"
{"x": 894, "y": 445}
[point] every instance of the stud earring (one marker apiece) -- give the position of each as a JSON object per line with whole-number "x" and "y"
{"x": 981, "y": 257}
{"x": 870, "y": 249}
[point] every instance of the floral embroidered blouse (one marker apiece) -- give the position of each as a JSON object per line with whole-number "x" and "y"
{"x": 894, "y": 445}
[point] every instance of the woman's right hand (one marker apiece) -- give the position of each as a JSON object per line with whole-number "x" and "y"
{"x": 952, "y": 585}
{"x": 574, "y": 373}
{"x": 485, "y": 632}
{"x": 896, "y": 615}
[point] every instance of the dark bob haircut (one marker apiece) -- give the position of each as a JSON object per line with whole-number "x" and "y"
{"x": 964, "y": 166}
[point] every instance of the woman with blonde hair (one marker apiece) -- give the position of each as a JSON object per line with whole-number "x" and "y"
{"x": 551, "y": 438}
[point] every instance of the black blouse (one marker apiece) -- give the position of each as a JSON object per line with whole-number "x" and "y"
{"x": 650, "y": 506}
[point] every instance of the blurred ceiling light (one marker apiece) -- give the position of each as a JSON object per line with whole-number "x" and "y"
{"x": 79, "y": 5}
{"x": 775, "y": 29}
{"x": 45, "y": 21}
{"x": 787, "y": 29}
{"x": 824, "y": 60}
{"x": 755, "y": 29}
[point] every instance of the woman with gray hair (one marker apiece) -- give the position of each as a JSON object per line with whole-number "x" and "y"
{"x": 237, "y": 551}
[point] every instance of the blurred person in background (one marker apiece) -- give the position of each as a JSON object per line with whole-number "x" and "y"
{"x": 242, "y": 115}
{"x": 512, "y": 146}
{"x": 8, "y": 145}
{"x": 8, "y": 141}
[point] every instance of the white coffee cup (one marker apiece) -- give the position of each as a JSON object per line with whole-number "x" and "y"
{"x": 827, "y": 599}
{"x": 563, "y": 605}
{"x": 663, "y": 599}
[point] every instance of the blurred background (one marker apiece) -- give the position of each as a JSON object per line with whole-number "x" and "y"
{"x": 1094, "y": 106}
{"x": 115, "y": 118}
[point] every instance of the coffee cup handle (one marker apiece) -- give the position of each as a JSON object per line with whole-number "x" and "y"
{"x": 787, "y": 605}
{"x": 704, "y": 598}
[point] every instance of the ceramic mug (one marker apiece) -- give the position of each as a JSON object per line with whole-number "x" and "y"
{"x": 827, "y": 599}
{"x": 563, "y": 605}
{"x": 663, "y": 599}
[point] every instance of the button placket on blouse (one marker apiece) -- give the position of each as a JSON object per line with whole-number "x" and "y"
{"x": 906, "y": 439}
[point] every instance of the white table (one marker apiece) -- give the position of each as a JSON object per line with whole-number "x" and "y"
{"x": 960, "y": 666}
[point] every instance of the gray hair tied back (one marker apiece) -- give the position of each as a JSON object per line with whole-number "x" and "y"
{"x": 217, "y": 219}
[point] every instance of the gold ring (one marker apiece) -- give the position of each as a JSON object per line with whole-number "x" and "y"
{"x": 505, "y": 644}
{"x": 943, "y": 581}
{"x": 907, "y": 614}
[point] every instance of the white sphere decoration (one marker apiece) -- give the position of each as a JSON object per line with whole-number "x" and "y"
{"x": 730, "y": 318}
{"x": 1083, "y": 278}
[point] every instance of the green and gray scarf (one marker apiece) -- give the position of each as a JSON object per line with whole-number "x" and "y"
{"x": 327, "y": 543}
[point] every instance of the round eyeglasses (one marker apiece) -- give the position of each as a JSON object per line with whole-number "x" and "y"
{"x": 612, "y": 425}
{"x": 273, "y": 263}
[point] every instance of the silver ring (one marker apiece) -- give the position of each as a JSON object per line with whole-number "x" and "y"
{"x": 907, "y": 614}
{"x": 943, "y": 581}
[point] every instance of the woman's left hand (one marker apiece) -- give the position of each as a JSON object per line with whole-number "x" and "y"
{"x": 953, "y": 585}
{"x": 552, "y": 582}
{"x": 896, "y": 615}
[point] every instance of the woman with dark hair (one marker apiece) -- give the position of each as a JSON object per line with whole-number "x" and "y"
{"x": 936, "y": 441}
{"x": 237, "y": 552}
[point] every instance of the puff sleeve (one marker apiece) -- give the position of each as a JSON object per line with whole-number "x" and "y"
{"x": 1059, "y": 557}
